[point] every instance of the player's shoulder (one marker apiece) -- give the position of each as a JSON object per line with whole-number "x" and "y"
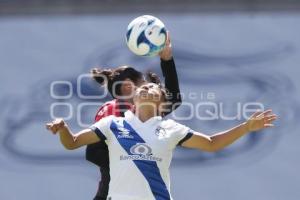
{"x": 115, "y": 118}
{"x": 168, "y": 123}
{"x": 172, "y": 125}
{"x": 109, "y": 104}
{"x": 107, "y": 109}
{"x": 106, "y": 119}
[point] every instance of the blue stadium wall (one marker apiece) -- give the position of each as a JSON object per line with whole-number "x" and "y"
{"x": 239, "y": 57}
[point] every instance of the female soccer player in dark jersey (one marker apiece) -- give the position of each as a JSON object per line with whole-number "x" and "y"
{"x": 98, "y": 153}
{"x": 141, "y": 144}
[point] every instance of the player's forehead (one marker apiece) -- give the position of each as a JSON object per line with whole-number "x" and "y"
{"x": 151, "y": 85}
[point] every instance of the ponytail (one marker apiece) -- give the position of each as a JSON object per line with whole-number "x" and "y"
{"x": 110, "y": 76}
{"x": 101, "y": 76}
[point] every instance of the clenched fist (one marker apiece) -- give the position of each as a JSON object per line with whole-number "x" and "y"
{"x": 55, "y": 125}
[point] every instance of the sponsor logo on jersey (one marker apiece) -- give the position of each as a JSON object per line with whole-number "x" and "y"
{"x": 140, "y": 151}
{"x": 124, "y": 133}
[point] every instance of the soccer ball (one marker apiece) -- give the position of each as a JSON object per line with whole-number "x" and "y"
{"x": 146, "y": 35}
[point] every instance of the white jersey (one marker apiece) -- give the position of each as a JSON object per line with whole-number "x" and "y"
{"x": 140, "y": 154}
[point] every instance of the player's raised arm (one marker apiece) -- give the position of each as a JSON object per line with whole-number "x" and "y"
{"x": 256, "y": 122}
{"x": 69, "y": 140}
{"x": 166, "y": 54}
{"x": 170, "y": 75}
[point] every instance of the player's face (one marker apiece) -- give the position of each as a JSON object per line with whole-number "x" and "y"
{"x": 149, "y": 92}
{"x": 128, "y": 87}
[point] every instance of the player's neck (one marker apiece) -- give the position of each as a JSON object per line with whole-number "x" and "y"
{"x": 145, "y": 112}
{"x": 129, "y": 100}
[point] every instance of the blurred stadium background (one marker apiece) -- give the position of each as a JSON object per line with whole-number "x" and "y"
{"x": 242, "y": 51}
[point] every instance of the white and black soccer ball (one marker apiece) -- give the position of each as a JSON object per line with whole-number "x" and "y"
{"x": 146, "y": 35}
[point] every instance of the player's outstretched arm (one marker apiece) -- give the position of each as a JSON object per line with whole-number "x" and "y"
{"x": 72, "y": 141}
{"x": 216, "y": 142}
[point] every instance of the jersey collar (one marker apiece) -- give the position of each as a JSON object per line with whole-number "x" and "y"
{"x": 129, "y": 115}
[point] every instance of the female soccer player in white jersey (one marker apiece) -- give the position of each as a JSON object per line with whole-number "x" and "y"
{"x": 141, "y": 144}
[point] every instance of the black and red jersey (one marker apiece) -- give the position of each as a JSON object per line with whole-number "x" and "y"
{"x": 114, "y": 107}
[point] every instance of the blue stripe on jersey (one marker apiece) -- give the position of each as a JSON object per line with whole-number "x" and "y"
{"x": 148, "y": 168}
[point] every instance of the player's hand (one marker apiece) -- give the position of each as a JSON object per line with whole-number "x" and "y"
{"x": 166, "y": 53}
{"x": 260, "y": 120}
{"x": 55, "y": 125}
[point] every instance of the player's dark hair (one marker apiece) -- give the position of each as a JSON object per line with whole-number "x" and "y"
{"x": 109, "y": 77}
{"x": 153, "y": 78}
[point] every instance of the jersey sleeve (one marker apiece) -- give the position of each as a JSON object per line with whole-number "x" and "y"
{"x": 101, "y": 128}
{"x": 171, "y": 83}
{"x": 179, "y": 133}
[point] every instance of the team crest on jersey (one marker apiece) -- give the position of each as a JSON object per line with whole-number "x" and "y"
{"x": 161, "y": 132}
